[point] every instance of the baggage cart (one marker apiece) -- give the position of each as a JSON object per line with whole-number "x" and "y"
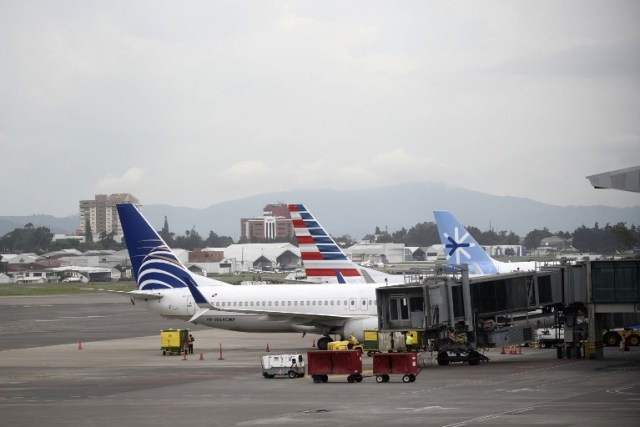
{"x": 405, "y": 364}
{"x": 290, "y": 365}
{"x": 370, "y": 344}
{"x": 174, "y": 341}
{"x": 323, "y": 363}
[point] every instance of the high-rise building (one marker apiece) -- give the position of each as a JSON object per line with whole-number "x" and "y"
{"x": 102, "y": 214}
{"x": 274, "y": 224}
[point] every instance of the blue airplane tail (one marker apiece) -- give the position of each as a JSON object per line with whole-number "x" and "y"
{"x": 460, "y": 247}
{"x": 154, "y": 265}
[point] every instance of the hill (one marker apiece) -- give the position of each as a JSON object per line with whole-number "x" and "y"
{"x": 358, "y": 212}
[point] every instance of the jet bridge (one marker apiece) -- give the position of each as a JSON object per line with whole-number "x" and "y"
{"x": 455, "y": 313}
{"x": 450, "y": 310}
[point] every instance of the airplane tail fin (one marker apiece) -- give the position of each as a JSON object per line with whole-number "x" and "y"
{"x": 322, "y": 258}
{"x": 460, "y": 247}
{"x": 154, "y": 265}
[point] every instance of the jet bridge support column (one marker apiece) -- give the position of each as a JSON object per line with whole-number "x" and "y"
{"x": 595, "y": 322}
{"x": 466, "y": 298}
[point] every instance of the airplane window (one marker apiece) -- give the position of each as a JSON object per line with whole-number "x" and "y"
{"x": 345, "y": 302}
{"x": 264, "y": 303}
{"x": 314, "y": 303}
{"x": 331, "y": 302}
{"x": 246, "y": 303}
{"x": 251, "y": 303}
{"x": 223, "y": 304}
{"x": 217, "y": 304}
{"x": 269, "y": 303}
{"x": 326, "y": 302}
{"x": 276, "y": 303}
{"x": 308, "y": 302}
{"x": 353, "y": 302}
{"x": 289, "y": 303}
{"x": 295, "y": 303}
{"x": 338, "y": 302}
{"x": 283, "y": 303}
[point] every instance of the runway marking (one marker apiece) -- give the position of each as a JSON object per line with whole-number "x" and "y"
{"x": 490, "y": 417}
{"x": 619, "y": 390}
{"x": 427, "y": 408}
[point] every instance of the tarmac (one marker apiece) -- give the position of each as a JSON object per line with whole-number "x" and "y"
{"x": 95, "y": 360}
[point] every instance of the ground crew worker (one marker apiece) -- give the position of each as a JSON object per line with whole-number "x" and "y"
{"x": 408, "y": 340}
{"x": 191, "y": 340}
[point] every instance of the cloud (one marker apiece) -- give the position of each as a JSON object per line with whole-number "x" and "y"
{"x": 246, "y": 170}
{"x": 131, "y": 179}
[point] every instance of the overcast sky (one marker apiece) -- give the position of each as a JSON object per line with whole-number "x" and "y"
{"x": 190, "y": 103}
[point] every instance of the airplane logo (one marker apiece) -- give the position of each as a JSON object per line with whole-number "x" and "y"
{"x": 458, "y": 244}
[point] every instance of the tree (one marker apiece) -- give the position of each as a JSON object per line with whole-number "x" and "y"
{"x": 166, "y": 235}
{"x": 422, "y": 234}
{"x": 533, "y": 238}
{"x": 88, "y": 233}
{"x": 625, "y": 239}
{"x": 218, "y": 241}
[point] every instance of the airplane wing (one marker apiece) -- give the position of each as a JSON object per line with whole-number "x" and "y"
{"x": 144, "y": 295}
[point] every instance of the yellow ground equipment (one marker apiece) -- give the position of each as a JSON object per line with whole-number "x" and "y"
{"x": 350, "y": 344}
{"x": 174, "y": 341}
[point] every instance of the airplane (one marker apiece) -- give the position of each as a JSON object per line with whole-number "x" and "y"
{"x": 461, "y": 248}
{"x": 166, "y": 286}
{"x": 323, "y": 259}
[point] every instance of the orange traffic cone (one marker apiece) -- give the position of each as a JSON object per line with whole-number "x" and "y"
{"x": 503, "y": 352}
{"x": 79, "y": 345}
{"x": 267, "y": 349}
{"x": 220, "y": 358}
{"x": 201, "y": 356}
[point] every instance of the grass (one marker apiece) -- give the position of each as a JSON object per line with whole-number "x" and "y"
{"x": 54, "y": 288}
{"x": 22, "y": 289}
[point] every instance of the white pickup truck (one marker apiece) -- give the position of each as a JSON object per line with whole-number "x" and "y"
{"x": 548, "y": 337}
{"x": 291, "y": 365}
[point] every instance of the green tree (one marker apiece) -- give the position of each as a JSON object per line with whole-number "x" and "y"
{"x": 166, "y": 235}
{"x": 218, "y": 241}
{"x": 88, "y": 233}
{"x": 624, "y": 237}
{"x": 422, "y": 234}
{"x": 533, "y": 238}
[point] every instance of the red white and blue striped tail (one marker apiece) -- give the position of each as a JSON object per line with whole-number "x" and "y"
{"x": 322, "y": 258}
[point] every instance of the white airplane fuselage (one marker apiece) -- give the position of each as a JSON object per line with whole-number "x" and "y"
{"x": 278, "y": 308}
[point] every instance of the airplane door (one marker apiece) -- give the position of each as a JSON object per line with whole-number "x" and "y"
{"x": 190, "y": 306}
{"x": 363, "y": 304}
{"x": 353, "y": 304}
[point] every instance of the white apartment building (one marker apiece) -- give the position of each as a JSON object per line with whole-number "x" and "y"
{"x": 102, "y": 215}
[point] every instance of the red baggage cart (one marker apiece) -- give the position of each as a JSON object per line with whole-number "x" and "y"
{"x": 322, "y": 363}
{"x": 405, "y": 364}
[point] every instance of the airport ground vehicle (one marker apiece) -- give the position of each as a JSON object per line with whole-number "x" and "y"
{"x": 323, "y": 363}
{"x": 548, "y": 337}
{"x": 630, "y": 335}
{"x": 349, "y": 344}
{"x": 174, "y": 341}
{"x": 291, "y": 365}
{"x": 370, "y": 343}
{"x": 405, "y": 364}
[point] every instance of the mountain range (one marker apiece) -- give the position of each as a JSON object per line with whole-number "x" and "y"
{"x": 358, "y": 212}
